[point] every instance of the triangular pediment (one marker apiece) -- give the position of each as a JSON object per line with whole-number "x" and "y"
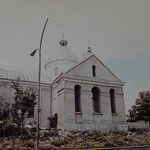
{"x": 84, "y": 69}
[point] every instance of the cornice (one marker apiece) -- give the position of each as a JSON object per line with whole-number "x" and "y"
{"x": 95, "y": 81}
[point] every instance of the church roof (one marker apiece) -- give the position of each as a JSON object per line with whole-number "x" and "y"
{"x": 90, "y": 56}
{"x": 22, "y": 76}
{"x": 104, "y": 74}
{"x": 62, "y": 53}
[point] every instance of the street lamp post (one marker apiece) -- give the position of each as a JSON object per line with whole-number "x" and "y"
{"x": 39, "y": 87}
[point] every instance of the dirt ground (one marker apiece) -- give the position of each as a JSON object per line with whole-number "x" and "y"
{"x": 59, "y": 139}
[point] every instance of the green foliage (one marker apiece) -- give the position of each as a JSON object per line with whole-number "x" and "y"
{"x": 25, "y": 100}
{"x": 141, "y": 109}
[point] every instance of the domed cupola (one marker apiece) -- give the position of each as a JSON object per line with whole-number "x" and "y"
{"x": 60, "y": 60}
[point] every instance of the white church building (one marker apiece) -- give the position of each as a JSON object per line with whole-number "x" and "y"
{"x": 85, "y": 94}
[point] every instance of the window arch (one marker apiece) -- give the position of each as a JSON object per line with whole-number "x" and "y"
{"x": 112, "y": 100}
{"x": 77, "y": 91}
{"x": 94, "y": 70}
{"x": 96, "y": 99}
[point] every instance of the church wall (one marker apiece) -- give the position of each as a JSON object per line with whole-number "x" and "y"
{"x": 55, "y": 99}
{"x": 58, "y": 98}
{"x": 54, "y": 68}
{"x": 7, "y": 92}
{"x": 45, "y": 106}
{"x": 61, "y": 105}
{"x": 101, "y": 71}
{"x": 87, "y": 120}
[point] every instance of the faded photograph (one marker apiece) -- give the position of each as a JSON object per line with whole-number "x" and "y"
{"x": 74, "y": 74}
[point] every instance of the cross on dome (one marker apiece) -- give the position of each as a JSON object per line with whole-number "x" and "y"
{"x": 89, "y": 51}
{"x": 63, "y": 42}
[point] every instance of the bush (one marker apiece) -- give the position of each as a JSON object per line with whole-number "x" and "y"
{"x": 130, "y": 120}
{"x": 138, "y": 131}
{"x": 2, "y": 132}
{"x": 9, "y": 130}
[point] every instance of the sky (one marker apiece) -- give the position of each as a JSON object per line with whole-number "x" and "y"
{"x": 118, "y": 31}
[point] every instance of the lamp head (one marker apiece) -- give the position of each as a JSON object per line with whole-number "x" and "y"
{"x": 33, "y": 53}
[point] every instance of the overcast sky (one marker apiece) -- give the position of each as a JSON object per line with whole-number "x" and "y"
{"x": 119, "y": 31}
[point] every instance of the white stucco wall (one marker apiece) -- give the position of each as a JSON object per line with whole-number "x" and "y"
{"x": 104, "y": 80}
{"x": 7, "y": 92}
{"x": 45, "y": 106}
{"x": 87, "y": 120}
{"x": 84, "y": 69}
{"x": 63, "y": 102}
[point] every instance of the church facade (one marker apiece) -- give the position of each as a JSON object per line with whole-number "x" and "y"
{"x": 84, "y": 94}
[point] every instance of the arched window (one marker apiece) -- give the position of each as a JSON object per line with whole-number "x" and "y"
{"x": 94, "y": 70}
{"x": 77, "y": 91}
{"x": 96, "y": 99}
{"x": 112, "y": 100}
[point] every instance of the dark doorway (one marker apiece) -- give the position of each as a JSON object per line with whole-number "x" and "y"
{"x": 112, "y": 100}
{"x": 96, "y": 99}
{"x": 77, "y": 91}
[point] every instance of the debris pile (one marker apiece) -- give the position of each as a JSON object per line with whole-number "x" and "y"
{"x": 87, "y": 139}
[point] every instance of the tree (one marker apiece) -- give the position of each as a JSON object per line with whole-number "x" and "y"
{"x": 25, "y": 101}
{"x": 141, "y": 109}
{"x": 4, "y": 110}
